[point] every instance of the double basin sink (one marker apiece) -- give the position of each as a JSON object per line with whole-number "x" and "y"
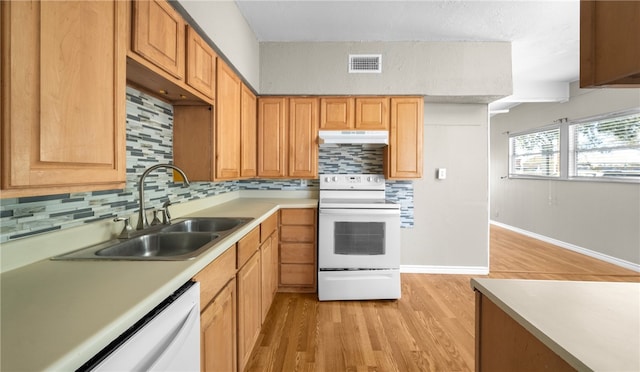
{"x": 182, "y": 240}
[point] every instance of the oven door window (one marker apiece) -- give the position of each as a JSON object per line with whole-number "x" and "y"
{"x": 359, "y": 238}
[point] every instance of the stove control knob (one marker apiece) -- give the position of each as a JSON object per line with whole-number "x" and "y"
{"x": 327, "y": 179}
{"x": 334, "y": 179}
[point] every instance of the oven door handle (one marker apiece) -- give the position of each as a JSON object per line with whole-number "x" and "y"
{"x": 354, "y": 212}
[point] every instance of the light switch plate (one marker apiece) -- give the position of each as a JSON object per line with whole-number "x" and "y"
{"x": 442, "y": 173}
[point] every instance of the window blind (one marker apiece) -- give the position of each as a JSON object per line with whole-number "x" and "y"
{"x": 607, "y": 147}
{"x": 535, "y": 153}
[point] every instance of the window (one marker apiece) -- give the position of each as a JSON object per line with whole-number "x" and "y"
{"x": 602, "y": 148}
{"x": 606, "y": 147}
{"x": 535, "y": 154}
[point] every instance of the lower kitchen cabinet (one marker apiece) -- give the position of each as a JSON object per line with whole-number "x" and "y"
{"x": 298, "y": 242}
{"x": 238, "y": 288}
{"x": 249, "y": 283}
{"x": 269, "y": 256}
{"x": 218, "y": 335}
{"x": 218, "y": 313}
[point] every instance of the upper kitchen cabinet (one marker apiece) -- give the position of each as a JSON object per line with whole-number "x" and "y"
{"x": 359, "y": 113}
{"x": 158, "y": 35}
{"x": 63, "y": 96}
{"x": 201, "y": 64}
{"x": 609, "y": 43}
{"x": 248, "y": 134}
{"x": 272, "y": 137}
{"x": 228, "y": 101}
{"x": 287, "y": 137}
{"x": 403, "y": 156}
{"x": 303, "y": 134}
{"x": 336, "y": 113}
{"x": 164, "y": 62}
{"x": 211, "y": 147}
{"x": 372, "y": 113}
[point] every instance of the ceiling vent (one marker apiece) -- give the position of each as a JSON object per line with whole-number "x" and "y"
{"x": 365, "y": 63}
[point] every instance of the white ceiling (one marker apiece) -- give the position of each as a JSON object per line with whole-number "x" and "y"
{"x": 544, "y": 33}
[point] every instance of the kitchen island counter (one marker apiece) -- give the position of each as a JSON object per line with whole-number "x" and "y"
{"x": 592, "y": 326}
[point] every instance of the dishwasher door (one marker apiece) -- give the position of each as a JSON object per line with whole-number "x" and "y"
{"x": 167, "y": 340}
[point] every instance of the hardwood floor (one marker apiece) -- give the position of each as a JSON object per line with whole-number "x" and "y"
{"x": 431, "y": 328}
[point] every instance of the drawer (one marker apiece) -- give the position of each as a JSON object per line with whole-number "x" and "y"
{"x": 298, "y": 234}
{"x": 298, "y": 253}
{"x": 247, "y": 246}
{"x": 303, "y": 275}
{"x": 305, "y": 216}
{"x": 215, "y": 275}
{"x": 268, "y": 226}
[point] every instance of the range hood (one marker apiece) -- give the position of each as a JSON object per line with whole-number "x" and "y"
{"x": 355, "y": 137}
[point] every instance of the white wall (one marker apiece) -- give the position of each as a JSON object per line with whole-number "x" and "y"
{"x": 597, "y": 216}
{"x": 223, "y": 23}
{"x": 477, "y": 72}
{"x": 451, "y": 215}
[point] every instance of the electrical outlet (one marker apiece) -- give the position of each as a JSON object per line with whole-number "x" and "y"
{"x": 303, "y": 183}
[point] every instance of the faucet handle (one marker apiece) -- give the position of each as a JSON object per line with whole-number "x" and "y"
{"x": 126, "y": 231}
{"x": 166, "y": 216}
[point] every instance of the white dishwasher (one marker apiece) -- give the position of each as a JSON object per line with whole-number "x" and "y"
{"x": 167, "y": 339}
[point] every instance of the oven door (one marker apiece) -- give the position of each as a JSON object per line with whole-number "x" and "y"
{"x": 358, "y": 239}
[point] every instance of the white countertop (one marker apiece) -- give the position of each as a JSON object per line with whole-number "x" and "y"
{"x": 593, "y": 326}
{"x": 57, "y": 314}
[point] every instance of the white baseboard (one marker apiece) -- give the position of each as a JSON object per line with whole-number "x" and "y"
{"x": 572, "y": 247}
{"x": 429, "y": 269}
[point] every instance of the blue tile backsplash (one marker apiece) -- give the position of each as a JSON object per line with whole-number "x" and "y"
{"x": 149, "y": 142}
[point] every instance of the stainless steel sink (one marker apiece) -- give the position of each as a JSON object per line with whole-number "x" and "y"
{"x": 184, "y": 240}
{"x": 207, "y": 224}
{"x": 173, "y": 245}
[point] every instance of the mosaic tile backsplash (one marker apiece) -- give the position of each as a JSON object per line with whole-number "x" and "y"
{"x": 149, "y": 142}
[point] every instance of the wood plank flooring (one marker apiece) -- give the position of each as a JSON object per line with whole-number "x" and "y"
{"x": 431, "y": 328}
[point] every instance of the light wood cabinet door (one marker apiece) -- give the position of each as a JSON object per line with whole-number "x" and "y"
{"x": 249, "y": 308}
{"x": 201, "y": 64}
{"x": 268, "y": 276}
{"x": 403, "y": 156}
{"x": 248, "y": 134}
{"x": 272, "y": 137}
{"x": 216, "y": 275}
{"x": 336, "y": 113}
{"x": 275, "y": 263}
{"x": 248, "y": 246}
{"x": 609, "y": 43}
{"x": 63, "y": 96}
{"x": 228, "y": 98}
{"x": 268, "y": 227}
{"x": 298, "y": 250}
{"x": 193, "y": 139}
{"x": 218, "y": 332}
{"x": 372, "y": 113}
{"x": 158, "y": 35}
{"x": 303, "y": 134}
